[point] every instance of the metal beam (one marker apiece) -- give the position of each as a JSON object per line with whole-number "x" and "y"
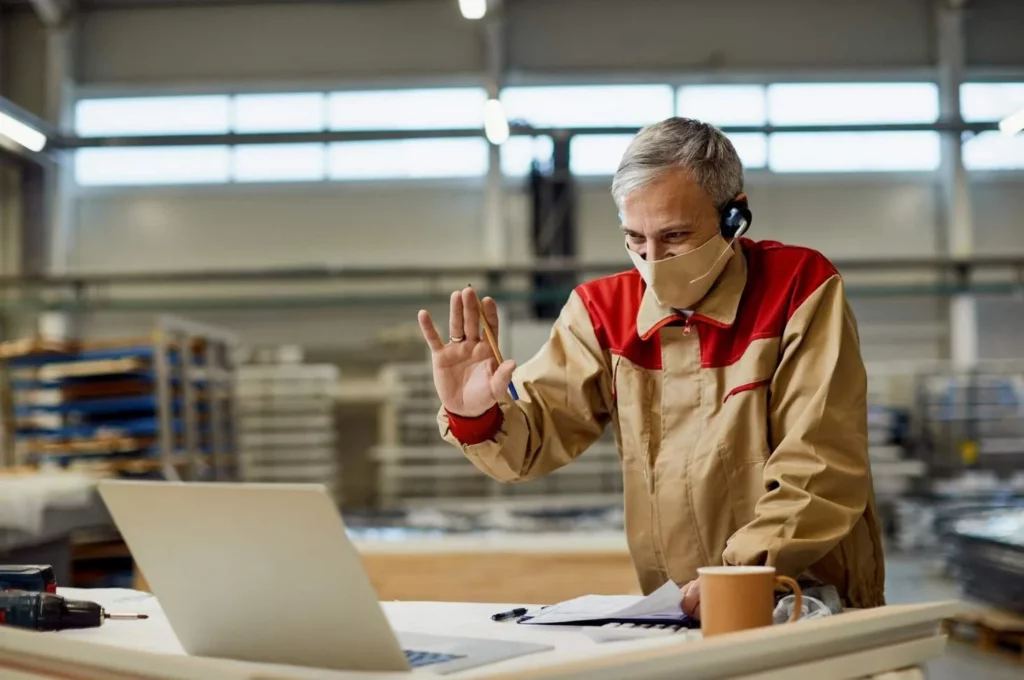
{"x": 957, "y": 272}
{"x": 73, "y": 142}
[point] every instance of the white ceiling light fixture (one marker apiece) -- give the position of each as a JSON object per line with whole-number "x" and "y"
{"x": 495, "y": 122}
{"x": 25, "y": 135}
{"x": 1012, "y": 124}
{"x": 473, "y": 9}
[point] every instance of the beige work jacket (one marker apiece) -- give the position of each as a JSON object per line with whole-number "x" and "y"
{"x": 742, "y": 430}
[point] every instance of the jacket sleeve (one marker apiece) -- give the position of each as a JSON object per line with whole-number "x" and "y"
{"x": 563, "y": 407}
{"x": 817, "y": 478}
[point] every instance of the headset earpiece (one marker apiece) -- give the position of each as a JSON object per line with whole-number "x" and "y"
{"x": 736, "y": 219}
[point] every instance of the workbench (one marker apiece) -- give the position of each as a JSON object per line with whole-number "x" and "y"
{"x": 853, "y": 645}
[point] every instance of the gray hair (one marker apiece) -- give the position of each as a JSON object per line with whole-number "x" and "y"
{"x": 701, "y": 149}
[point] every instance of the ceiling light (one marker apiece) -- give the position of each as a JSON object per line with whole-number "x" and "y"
{"x": 1012, "y": 124}
{"x": 473, "y": 9}
{"x": 26, "y": 135}
{"x": 495, "y": 122}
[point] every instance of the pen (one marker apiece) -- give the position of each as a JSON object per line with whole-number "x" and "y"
{"x": 510, "y": 614}
{"x": 493, "y": 342}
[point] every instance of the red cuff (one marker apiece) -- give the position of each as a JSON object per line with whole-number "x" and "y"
{"x": 471, "y": 431}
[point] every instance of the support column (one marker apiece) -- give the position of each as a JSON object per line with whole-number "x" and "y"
{"x": 955, "y": 191}
{"x": 53, "y": 219}
{"x": 61, "y": 39}
{"x": 495, "y": 237}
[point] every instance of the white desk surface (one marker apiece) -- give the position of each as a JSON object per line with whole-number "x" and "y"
{"x": 571, "y": 645}
{"x": 456, "y": 619}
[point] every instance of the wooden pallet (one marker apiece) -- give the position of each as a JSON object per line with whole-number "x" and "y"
{"x": 990, "y": 630}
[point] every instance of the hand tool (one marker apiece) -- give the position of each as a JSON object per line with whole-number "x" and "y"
{"x": 46, "y": 611}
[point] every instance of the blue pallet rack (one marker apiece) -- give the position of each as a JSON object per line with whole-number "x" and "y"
{"x": 164, "y": 407}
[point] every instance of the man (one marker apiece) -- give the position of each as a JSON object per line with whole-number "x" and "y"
{"x": 729, "y": 370}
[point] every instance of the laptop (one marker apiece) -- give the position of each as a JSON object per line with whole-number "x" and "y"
{"x": 267, "y": 573}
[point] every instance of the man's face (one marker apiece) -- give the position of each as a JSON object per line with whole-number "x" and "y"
{"x": 670, "y": 216}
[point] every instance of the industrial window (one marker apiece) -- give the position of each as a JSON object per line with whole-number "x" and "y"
{"x": 518, "y": 154}
{"x": 408, "y": 159}
{"x": 428, "y": 109}
{"x": 723, "y": 104}
{"x": 597, "y": 154}
{"x": 292, "y": 112}
{"x": 279, "y": 163}
{"x": 588, "y": 105}
{"x": 206, "y": 114}
{"x": 153, "y": 165}
{"x": 990, "y": 102}
{"x": 853, "y": 151}
{"x": 992, "y": 150}
{"x": 852, "y": 103}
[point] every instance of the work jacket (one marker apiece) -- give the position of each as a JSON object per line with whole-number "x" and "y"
{"x": 742, "y": 428}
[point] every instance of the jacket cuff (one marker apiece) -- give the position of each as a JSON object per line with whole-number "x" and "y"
{"x": 476, "y": 430}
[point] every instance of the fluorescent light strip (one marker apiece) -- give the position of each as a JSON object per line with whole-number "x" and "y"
{"x": 473, "y": 9}
{"x": 495, "y": 122}
{"x": 23, "y": 134}
{"x": 1012, "y": 124}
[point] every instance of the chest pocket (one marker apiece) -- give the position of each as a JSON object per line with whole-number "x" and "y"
{"x": 635, "y": 394}
{"x": 738, "y": 398}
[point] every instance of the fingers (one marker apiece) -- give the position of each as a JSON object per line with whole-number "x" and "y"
{"x": 430, "y": 333}
{"x": 501, "y": 378}
{"x": 490, "y": 312}
{"x": 471, "y": 313}
{"x": 691, "y": 599}
{"x": 455, "y": 323}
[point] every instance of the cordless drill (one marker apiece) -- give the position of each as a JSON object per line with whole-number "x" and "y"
{"x": 46, "y": 611}
{"x": 28, "y": 599}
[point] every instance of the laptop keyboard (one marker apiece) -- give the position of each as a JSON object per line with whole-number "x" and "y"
{"x": 419, "y": 659}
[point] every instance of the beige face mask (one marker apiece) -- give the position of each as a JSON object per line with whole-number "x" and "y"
{"x": 681, "y": 281}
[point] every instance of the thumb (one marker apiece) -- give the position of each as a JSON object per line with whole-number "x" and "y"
{"x": 501, "y": 378}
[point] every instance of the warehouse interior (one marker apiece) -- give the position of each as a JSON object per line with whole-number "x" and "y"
{"x": 265, "y": 192}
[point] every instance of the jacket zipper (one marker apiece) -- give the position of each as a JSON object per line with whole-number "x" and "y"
{"x": 650, "y": 478}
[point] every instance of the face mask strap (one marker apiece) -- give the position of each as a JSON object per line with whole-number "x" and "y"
{"x": 728, "y": 247}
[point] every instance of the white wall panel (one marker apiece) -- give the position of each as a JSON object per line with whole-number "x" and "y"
{"x": 998, "y": 208}
{"x": 993, "y": 29}
{"x": 24, "y": 60}
{"x": 280, "y": 41}
{"x": 252, "y": 227}
{"x": 751, "y": 35}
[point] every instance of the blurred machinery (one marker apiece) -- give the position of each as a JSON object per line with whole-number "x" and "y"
{"x": 987, "y": 556}
{"x": 972, "y": 420}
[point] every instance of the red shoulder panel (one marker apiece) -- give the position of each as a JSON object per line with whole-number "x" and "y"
{"x": 613, "y": 303}
{"x": 779, "y": 279}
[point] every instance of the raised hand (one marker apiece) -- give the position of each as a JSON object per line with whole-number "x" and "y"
{"x": 466, "y": 374}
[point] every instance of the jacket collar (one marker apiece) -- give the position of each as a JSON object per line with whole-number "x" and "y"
{"x": 718, "y": 307}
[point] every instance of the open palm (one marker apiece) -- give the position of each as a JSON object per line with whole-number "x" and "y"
{"x": 466, "y": 374}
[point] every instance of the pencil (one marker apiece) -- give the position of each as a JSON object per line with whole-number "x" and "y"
{"x": 493, "y": 342}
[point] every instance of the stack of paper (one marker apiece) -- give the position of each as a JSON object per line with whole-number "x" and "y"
{"x": 663, "y": 606}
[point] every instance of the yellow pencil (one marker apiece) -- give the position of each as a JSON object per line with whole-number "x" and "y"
{"x": 493, "y": 342}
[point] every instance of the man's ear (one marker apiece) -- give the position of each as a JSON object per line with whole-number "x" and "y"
{"x": 741, "y": 198}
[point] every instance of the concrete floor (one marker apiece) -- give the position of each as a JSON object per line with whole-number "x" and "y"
{"x": 915, "y": 579}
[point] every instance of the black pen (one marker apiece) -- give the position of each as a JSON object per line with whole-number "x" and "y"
{"x": 510, "y": 614}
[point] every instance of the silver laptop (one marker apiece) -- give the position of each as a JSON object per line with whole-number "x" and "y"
{"x": 266, "y": 572}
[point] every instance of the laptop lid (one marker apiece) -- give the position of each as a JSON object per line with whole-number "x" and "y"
{"x": 255, "y": 572}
